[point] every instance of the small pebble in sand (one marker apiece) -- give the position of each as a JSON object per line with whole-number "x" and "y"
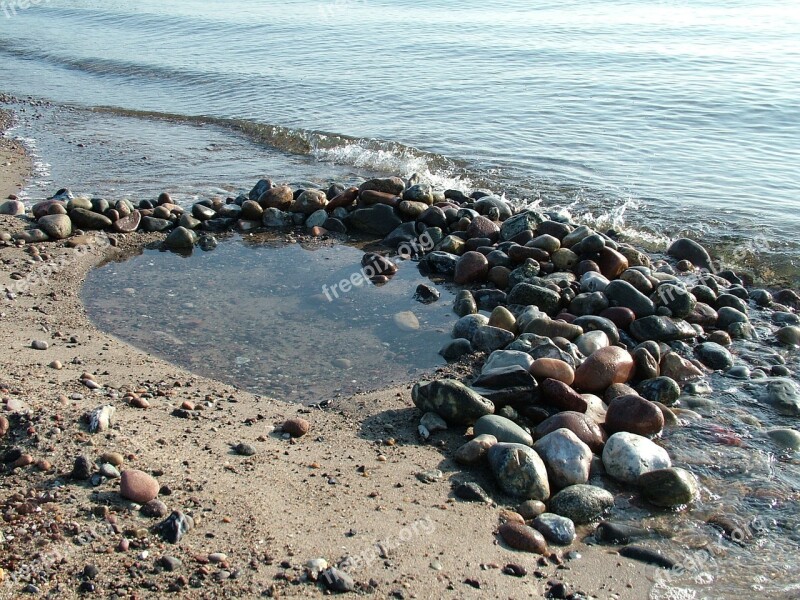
{"x": 39, "y": 345}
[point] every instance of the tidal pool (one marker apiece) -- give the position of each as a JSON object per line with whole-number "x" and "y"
{"x": 254, "y": 313}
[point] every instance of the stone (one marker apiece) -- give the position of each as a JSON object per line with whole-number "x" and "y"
{"x": 129, "y": 223}
{"x": 519, "y": 471}
{"x": 109, "y": 471}
{"x": 603, "y": 368}
{"x": 727, "y": 316}
{"x": 452, "y": 400}
{"x": 472, "y": 492}
{"x": 626, "y": 456}
{"x": 581, "y": 503}
{"x": 155, "y": 509}
{"x": 544, "y": 298}
{"x": 669, "y": 487}
{"x": 471, "y": 267}
{"x": 57, "y": 227}
{"x": 439, "y": 263}
{"x": 431, "y": 423}
{"x": 584, "y": 428}
{"x": 714, "y": 356}
{"x": 261, "y": 186}
{"x": 481, "y": 227}
{"x": 789, "y": 335}
{"x": 406, "y": 321}
{"x": 591, "y": 323}
{"x": 673, "y": 365}
{"x": 567, "y": 458}
{"x": 377, "y": 220}
{"x": 87, "y": 219}
{"x": 591, "y": 342}
{"x": 170, "y": 563}
{"x": 4, "y": 426}
{"x": 686, "y": 249}
{"x": 787, "y": 439}
{"x": 474, "y": 450}
{"x": 676, "y": 299}
{"x": 564, "y": 259}
{"x": 464, "y": 304}
{"x": 783, "y": 395}
{"x": 621, "y": 293}
{"x": 39, "y": 345}
{"x": 503, "y": 318}
{"x": 489, "y": 339}
{"x": 244, "y": 449}
{"x": 659, "y": 389}
{"x": 507, "y": 358}
{"x": 153, "y": 224}
{"x": 553, "y": 328}
{"x": 524, "y": 221}
{"x": 530, "y": 509}
{"x": 174, "y": 527}
{"x": 13, "y": 208}
{"x": 431, "y": 476}
{"x": 337, "y": 581}
{"x": 618, "y": 533}
{"x": 556, "y": 529}
{"x": 467, "y": 326}
{"x": 101, "y": 418}
{"x": 181, "y": 238}
{"x": 633, "y": 414}
{"x": 504, "y": 430}
{"x": 309, "y": 201}
{"x": 522, "y": 537}
{"x": 386, "y": 185}
{"x": 280, "y": 198}
{"x": 296, "y": 427}
{"x": 419, "y": 192}
{"x": 552, "y": 368}
{"x": 81, "y": 469}
{"x": 559, "y": 394}
{"x": 455, "y": 349}
{"x": 137, "y": 486}
{"x": 661, "y": 329}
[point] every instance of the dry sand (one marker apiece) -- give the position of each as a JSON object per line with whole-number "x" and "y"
{"x": 335, "y": 492}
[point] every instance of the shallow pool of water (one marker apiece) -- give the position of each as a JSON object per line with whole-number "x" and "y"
{"x": 254, "y": 313}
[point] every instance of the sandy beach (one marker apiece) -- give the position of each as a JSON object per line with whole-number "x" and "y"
{"x": 348, "y": 484}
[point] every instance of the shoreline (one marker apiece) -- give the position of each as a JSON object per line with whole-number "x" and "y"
{"x": 335, "y": 491}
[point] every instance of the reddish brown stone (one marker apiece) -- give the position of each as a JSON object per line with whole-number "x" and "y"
{"x": 371, "y": 198}
{"x": 481, "y": 227}
{"x": 137, "y": 486}
{"x": 522, "y": 537}
{"x": 296, "y": 427}
{"x": 634, "y": 414}
{"x": 519, "y": 254}
{"x": 560, "y": 395}
{"x": 584, "y": 428}
{"x": 552, "y": 368}
{"x": 619, "y": 315}
{"x": 343, "y": 200}
{"x": 499, "y": 276}
{"x": 281, "y": 197}
{"x": 611, "y": 263}
{"x": 472, "y": 266}
{"x": 604, "y": 367}
{"x": 128, "y": 224}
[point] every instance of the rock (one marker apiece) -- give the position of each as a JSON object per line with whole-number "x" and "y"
{"x": 386, "y": 185}
{"x": 426, "y": 294}
{"x": 475, "y": 449}
{"x": 81, "y": 469}
{"x": 789, "y": 335}
{"x": 13, "y": 208}
{"x": 261, "y": 187}
{"x": 471, "y": 492}
{"x": 524, "y": 221}
{"x": 659, "y": 389}
{"x": 787, "y": 439}
{"x": 676, "y": 299}
{"x": 431, "y": 422}
{"x": 581, "y": 503}
{"x": 337, "y": 581}
{"x": 153, "y": 224}
{"x": 591, "y": 342}
{"x": 455, "y": 349}
{"x": 621, "y": 293}
{"x": 584, "y": 428}
{"x": 504, "y": 430}
{"x": 618, "y": 533}
{"x": 155, "y": 509}
{"x": 503, "y": 318}
{"x": 678, "y": 368}
{"x": 727, "y": 316}
{"x": 489, "y": 339}
{"x": 87, "y": 219}
{"x": 57, "y": 227}
{"x": 604, "y": 367}
{"x": 101, "y": 418}
{"x": 626, "y": 456}
{"x": 378, "y": 220}
{"x": 544, "y": 298}
{"x": 406, "y": 321}
{"x": 280, "y": 198}
{"x": 130, "y": 223}
{"x": 31, "y": 236}
{"x": 552, "y": 329}
{"x": 481, "y": 227}
{"x": 556, "y": 529}
{"x": 783, "y": 395}
{"x": 669, "y": 487}
{"x": 181, "y": 238}
{"x": 170, "y": 563}
{"x": 109, "y": 471}
{"x": 714, "y": 356}
{"x": 244, "y": 449}
{"x": 419, "y": 192}
{"x": 567, "y": 458}
{"x": 471, "y": 267}
{"x": 451, "y": 400}
{"x": 519, "y": 471}
{"x": 174, "y": 527}
{"x": 467, "y": 326}
{"x": 562, "y": 396}
{"x": 522, "y": 537}
{"x": 530, "y": 509}
{"x": 309, "y": 201}
{"x": 507, "y": 358}
{"x": 202, "y": 212}
{"x": 592, "y": 323}
{"x": 431, "y": 476}
{"x": 661, "y": 329}
{"x": 686, "y": 249}
{"x": 647, "y": 556}
{"x": 39, "y": 345}
{"x": 464, "y": 304}
{"x": 4, "y": 426}
{"x": 137, "y": 486}
{"x": 296, "y": 427}
{"x": 552, "y": 368}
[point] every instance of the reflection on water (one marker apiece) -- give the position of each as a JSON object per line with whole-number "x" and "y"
{"x": 255, "y": 315}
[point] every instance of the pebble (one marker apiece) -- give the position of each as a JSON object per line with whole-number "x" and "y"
{"x": 244, "y": 449}
{"x": 451, "y": 400}
{"x": 112, "y": 458}
{"x": 296, "y": 427}
{"x": 660, "y": 389}
{"x": 81, "y": 469}
{"x": 472, "y": 492}
{"x": 455, "y": 349}
{"x": 502, "y": 429}
{"x": 137, "y": 486}
{"x": 338, "y": 581}
{"x": 634, "y": 414}
{"x": 174, "y": 527}
{"x": 406, "y": 321}
{"x": 584, "y": 428}
{"x": 520, "y": 471}
{"x": 474, "y": 450}
{"x": 581, "y": 503}
{"x": 567, "y": 458}
{"x": 155, "y": 509}
{"x": 430, "y": 476}
{"x": 522, "y": 537}
{"x": 603, "y": 368}
{"x": 787, "y": 439}
{"x": 552, "y": 368}
{"x": 556, "y": 529}
{"x": 56, "y": 364}
{"x": 789, "y": 335}
{"x": 39, "y": 345}
{"x": 170, "y": 563}
{"x": 4, "y": 426}
{"x": 109, "y": 471}
{"x": 627, "y": 456}
{"x": 530, "y": 509}
{"x": 669, "y": 487}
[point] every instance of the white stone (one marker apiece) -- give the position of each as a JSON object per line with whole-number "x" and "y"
{"x": 568, "y": 459}
{"x": 626, "y": 456}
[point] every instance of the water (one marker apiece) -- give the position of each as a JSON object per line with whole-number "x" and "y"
{"x": 669, "y": 117}
{"x": 254, "y": 313}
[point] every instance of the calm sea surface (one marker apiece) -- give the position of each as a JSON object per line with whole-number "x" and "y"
{"x": 668, "y": 117}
